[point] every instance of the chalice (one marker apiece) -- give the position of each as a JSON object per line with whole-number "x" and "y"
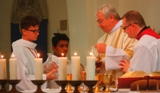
{"x": 107, "y": 79}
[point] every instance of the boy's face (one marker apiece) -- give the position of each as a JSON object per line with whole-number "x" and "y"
{"x": 62, "y": 47}
{"x": 31, "y": 34}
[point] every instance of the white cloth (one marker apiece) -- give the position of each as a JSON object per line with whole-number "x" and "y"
{"x": 158, "y": 47}
{"x": 145, "y": 55}
{"x": 25, "y": 53}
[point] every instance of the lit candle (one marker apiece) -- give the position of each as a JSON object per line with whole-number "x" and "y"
{"x": 3, "y": 72}
{"x": 38, "y": 68}
{"x": 13, "y": 67}
{"x": 90, "y": 67}
{"x": 75, "y": 63}
{"x": 62, "y": 67}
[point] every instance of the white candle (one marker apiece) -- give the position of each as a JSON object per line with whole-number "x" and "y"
{"x": 3, "y": 72}
{"x": 62, "y": 68}
{"x": 38, "y": 68}
{"x": 75, "y": 63}
{"x": 13, "y": 67}
{"x": 90, "y": 67}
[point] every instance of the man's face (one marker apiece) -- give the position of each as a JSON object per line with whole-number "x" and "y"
{"x": 31, "y": 34}
{"x": 104, "y": 23}
{"x": 128, "y": 28}
{"x": 62, "y": 47}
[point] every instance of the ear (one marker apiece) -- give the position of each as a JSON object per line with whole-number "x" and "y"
{"x": 133, "y": 25}
{"x": 111, "y": 16}
{"x": 54, "y": 48}
{"x": 23, "y": 31}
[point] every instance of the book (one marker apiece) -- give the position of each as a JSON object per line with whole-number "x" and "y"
{"x": 139, "y": 80}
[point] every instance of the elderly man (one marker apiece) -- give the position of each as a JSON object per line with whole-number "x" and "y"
{"x": 118, "y": 44}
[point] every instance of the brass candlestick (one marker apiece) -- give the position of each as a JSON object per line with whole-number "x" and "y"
{"x": 83, "y": 88}
{"x": 69, "y": 88}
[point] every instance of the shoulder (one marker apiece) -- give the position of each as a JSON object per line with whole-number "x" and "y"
{"x": 146, "y": 41}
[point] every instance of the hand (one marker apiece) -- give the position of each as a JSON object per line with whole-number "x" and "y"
{"x": 124, "y": 65}
{"x": 101, "y": 47}
{"x": 51, "y": 71}
{"x": 98, "y": 63}
{"x": 51, "y": 76}
{"x": 50, "y": 67}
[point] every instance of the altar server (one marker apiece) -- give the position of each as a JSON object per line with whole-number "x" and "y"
{"x": 25, "y": 52}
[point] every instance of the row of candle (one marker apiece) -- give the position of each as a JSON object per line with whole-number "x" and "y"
{"x": 13, "y": 68}
{"x": 75, "y": 67}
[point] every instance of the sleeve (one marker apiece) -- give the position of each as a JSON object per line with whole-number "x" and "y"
{"x": 114, "y": 55}
{"x": 144, "y": 59}
{"x": 21, "y": 62}
{"x": 22, "y": 71}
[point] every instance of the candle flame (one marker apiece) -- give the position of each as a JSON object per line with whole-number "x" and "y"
{"x": 38, "y": 55}
{"x": 91, "y": 53}
{"x": 12, "y": 56}
{"x": 62, "y": 54}
{"x": 2, "y": 56}
{"x": 75, "y": 53}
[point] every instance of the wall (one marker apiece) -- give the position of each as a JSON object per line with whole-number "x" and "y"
{"x": 5, "y": 37}
{"x": 148, "y": 8}
{"x": 57, "y": 10}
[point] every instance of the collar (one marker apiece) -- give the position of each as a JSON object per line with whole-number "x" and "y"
{"x": 143, "y": 30}
{"x": 25, "y": 43}
{"x": 117, "y": 26}
{"x": 147, "y": 31}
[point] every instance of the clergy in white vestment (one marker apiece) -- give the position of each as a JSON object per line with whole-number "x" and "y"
{"x": 146, "y": 50}
{"x": 118, "y": 44}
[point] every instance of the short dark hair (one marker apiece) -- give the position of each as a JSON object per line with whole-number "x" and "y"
{"x": 57, "y": 37}
{"x": 28, "y": 21}
{"x": 135, "y": 17}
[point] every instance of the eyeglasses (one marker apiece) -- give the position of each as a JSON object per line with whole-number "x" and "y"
{"x": 34, "y": 31}
{"x": 124, "y": 28}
